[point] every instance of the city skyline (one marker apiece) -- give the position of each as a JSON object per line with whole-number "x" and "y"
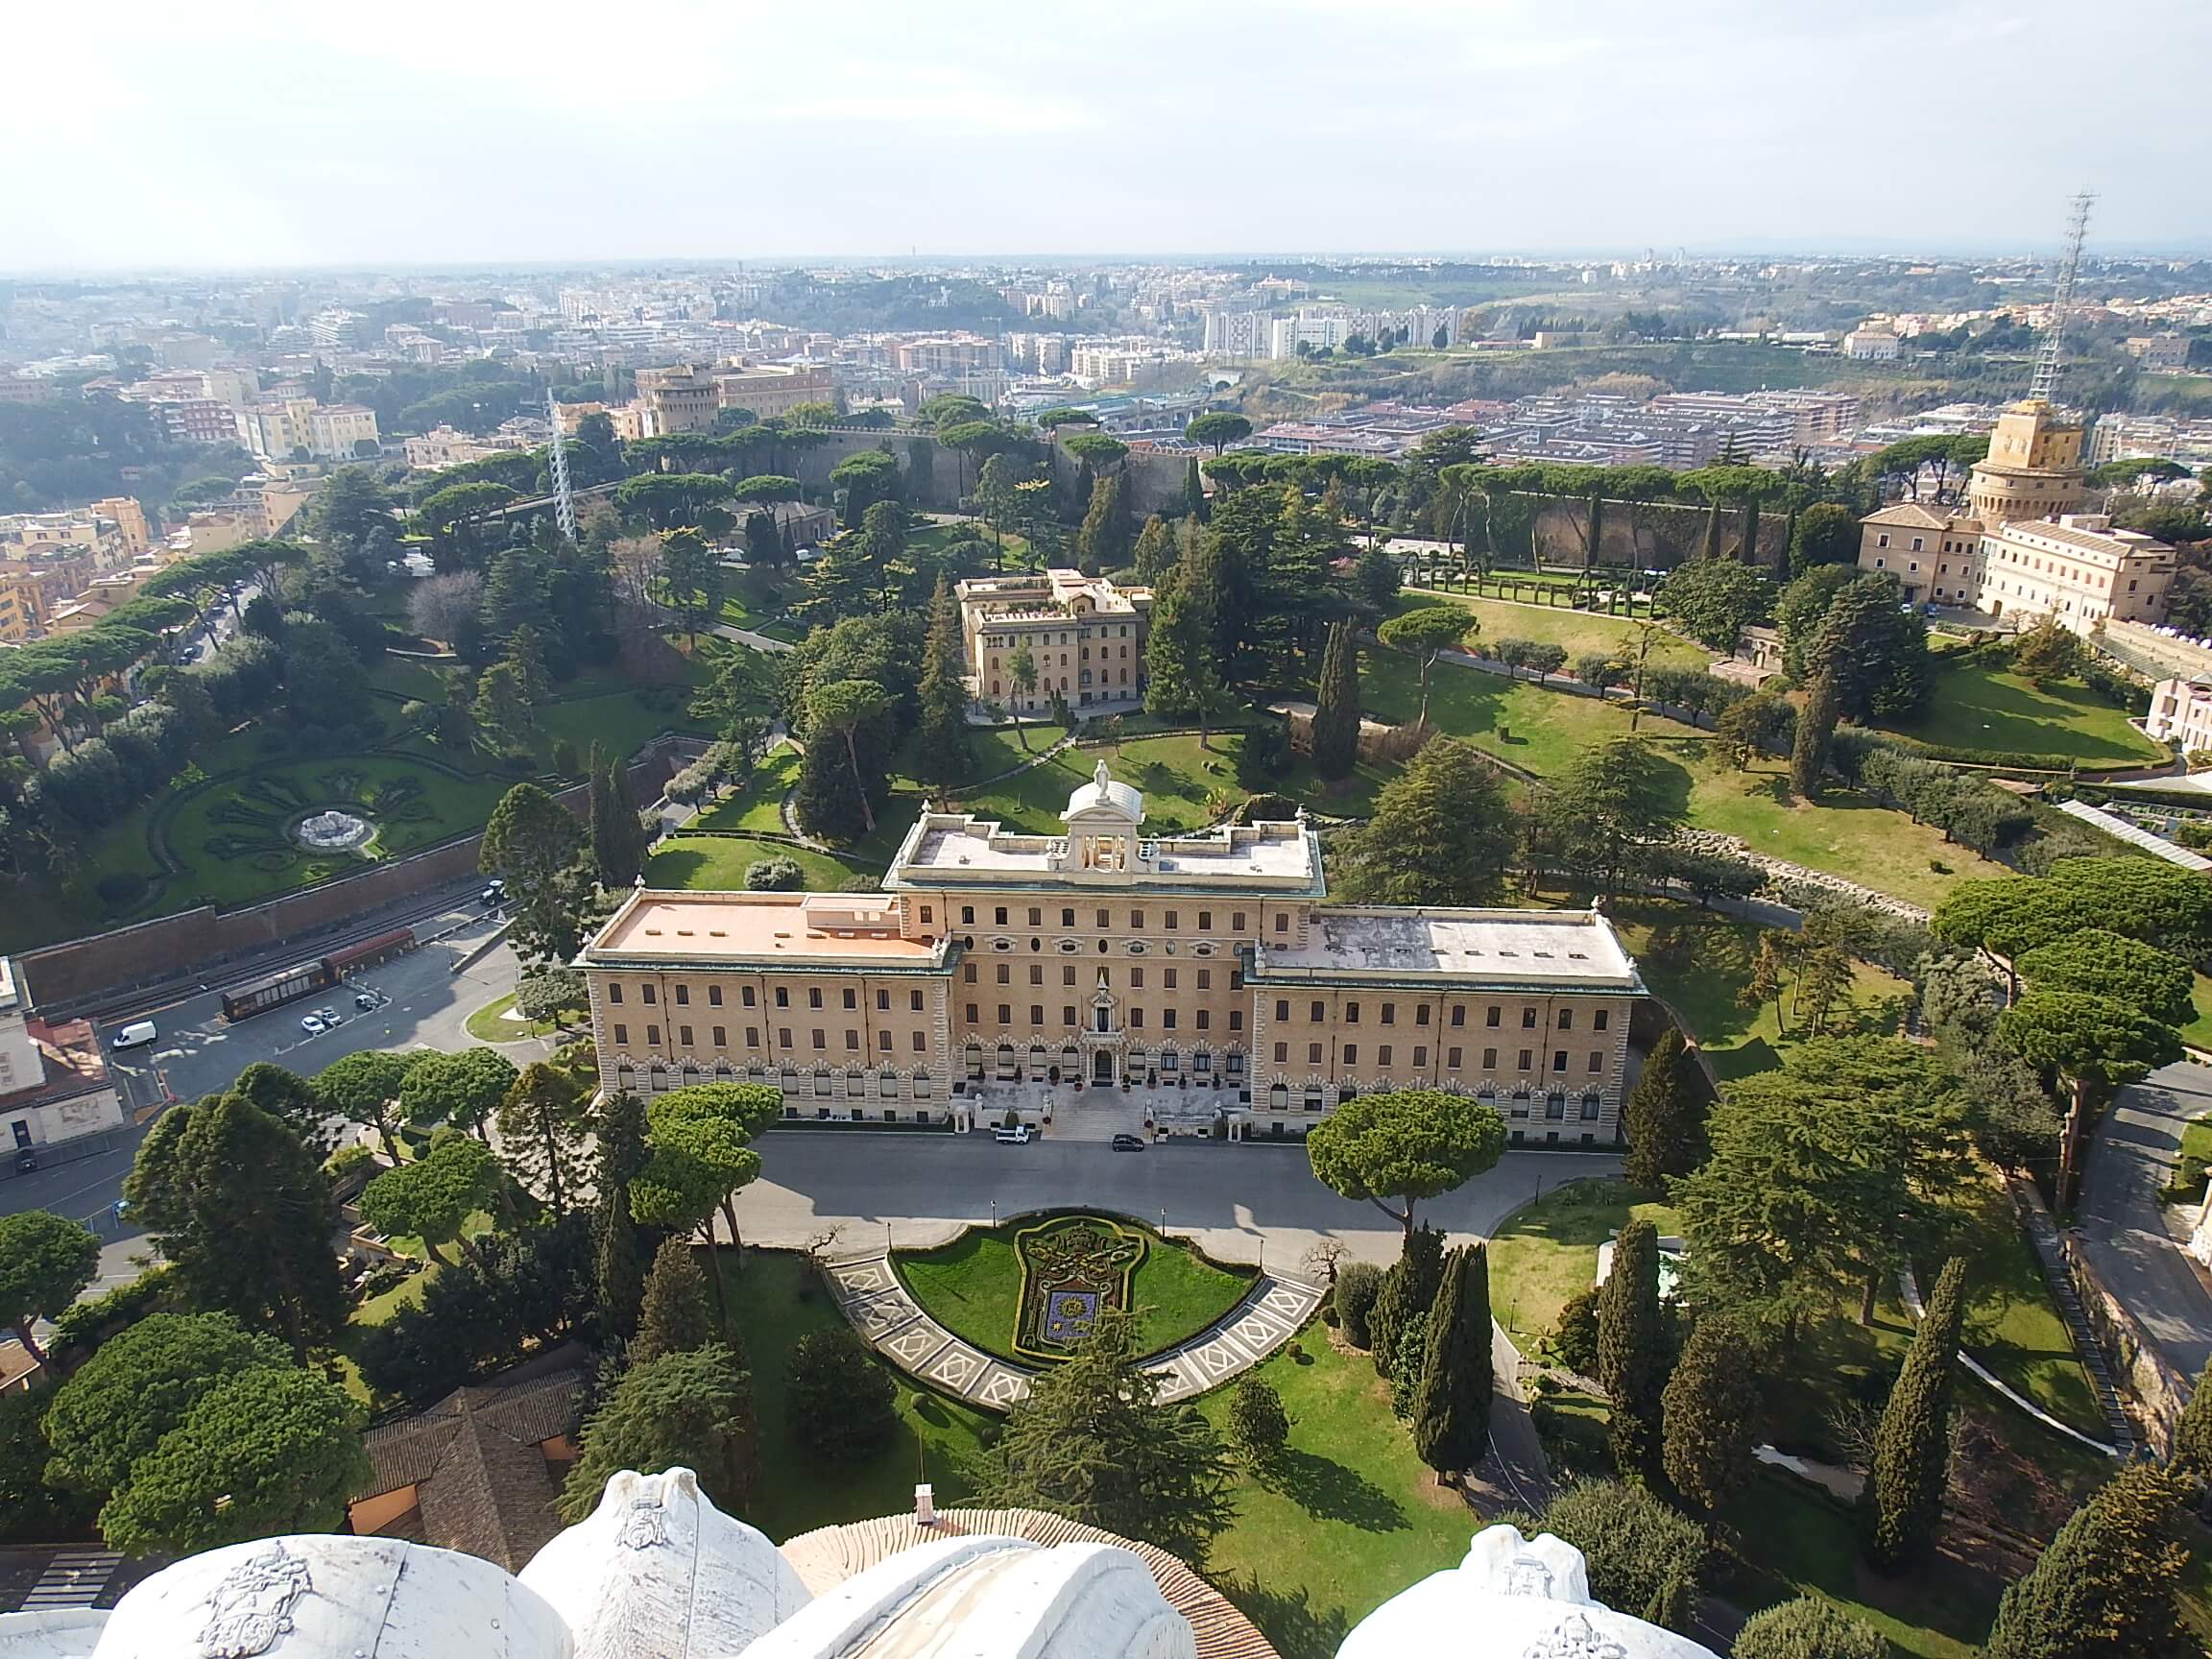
{"x": 447, "y": 136}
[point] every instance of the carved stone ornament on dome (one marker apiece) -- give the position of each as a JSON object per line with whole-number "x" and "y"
{"x": 1512, "y": 1598}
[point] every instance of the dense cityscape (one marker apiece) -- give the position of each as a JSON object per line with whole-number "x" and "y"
{"x": 1118, "y": 956}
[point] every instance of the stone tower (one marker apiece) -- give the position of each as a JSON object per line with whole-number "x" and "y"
{"x": 2033, "y": 468}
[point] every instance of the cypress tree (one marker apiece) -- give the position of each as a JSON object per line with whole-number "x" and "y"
{"x": 1750, "y": 553}
{"x": 1632, "y": 1348}
{"x": 1337, "y": 708}
{"x": 1409, "y": 1287}
{"x": 2192, "y": 1457}
{"x": 1708, "y": 1408}
{"x": 941, "y": 754}
{"x": 1194, "y": 490}
{"x": 1903, "y": 1497}
{"x": 1712, "y": 530}
{"x": 1101, "y": 541}
{"x": 619, "y": 839}
{"x": 2105, "y": 1584}
{"x": 675, "y": 1317}
{"x": 1664, "y": 1116}
{"x": 1452, "y": 1404}
{"x": 1815, "y": 730}
{"x": 617, "y": 1274}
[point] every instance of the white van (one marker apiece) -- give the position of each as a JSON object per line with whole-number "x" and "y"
{"x": 136, "y": 1034}
{"x": 1018, "y": 1136}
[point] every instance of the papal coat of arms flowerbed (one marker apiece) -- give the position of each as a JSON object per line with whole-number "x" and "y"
{"x": 1073, "y": 1267}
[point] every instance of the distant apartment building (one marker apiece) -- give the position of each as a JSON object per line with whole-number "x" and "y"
{"x": 1236, "y": 334}
{"x": 1312, "y": 329}
{"x": 1797, "y": 418}
{"x": 130, "y": 520}
{"x": 2160, "y": 351}
{"x": 442, "y": 446}
{"x": 1865, "y": 345}
{"x": 337, "y": 330}
{"x": 945, "y": 354}
{"x": 1109, "y": 365}
{"x": 284, "y": 428}
{"x": 2181, "y": 714}
{"x": 55, "y": 1085}
{"x": 1085, "y": 635}
{"x": 24, "y": 389}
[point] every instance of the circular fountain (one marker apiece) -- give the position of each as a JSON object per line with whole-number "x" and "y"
{"x": 332, "y": 830}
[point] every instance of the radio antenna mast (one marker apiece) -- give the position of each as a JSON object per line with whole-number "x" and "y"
{"x": 2046, "y": 380}
{"x": 563, "y": 500}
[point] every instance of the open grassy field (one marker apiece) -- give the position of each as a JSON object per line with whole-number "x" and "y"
{"x": 759, "y": 805}
{"x": 1184, "y": 785}
{"x": 1980, "y": 705}
{"x": 1697, "y": 961}
{"x": 1349, "y": 1516}
{"x": 720, "y": 862}
{"x": 1547, "y": 1251}
{"x": 1843, "y": 833}
{"x": 1578, "y": 630}
{"x": 972, "y": 1287}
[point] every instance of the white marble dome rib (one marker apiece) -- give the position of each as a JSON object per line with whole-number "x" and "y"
{"x": 1511, "y": 1599}
{"x": 1005, "y": 1598}
{"x": 322, "y": 1596}
{"x": 656, "y": 1571}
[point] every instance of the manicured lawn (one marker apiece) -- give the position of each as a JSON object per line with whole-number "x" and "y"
{"x": 410, "y": 678}
{"x": 972, "y": 1287}
{"x": 492, "y": 1023}
{"x": 719, "y": 862}
{"x": 619, "y": 722}
{"x": 1520, "y": 721}
{"x": 2199, "y": 1031}
{"x": 1843, "y": 835}
{"x": 1545, "y": 1252}
{"x": 1978, "y": 705}
{"x": 2011, "y": 1326}
{"x": 1698, "y": 960}
{"x": 1185, "y": 787}
{"x": 759, "y": 804}
{"x": 1349, "y": 1516}
{"x": 775, "y": 1300}
{"x": 1578, "y": 630}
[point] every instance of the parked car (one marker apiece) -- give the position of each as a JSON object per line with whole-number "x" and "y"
{"x": 364, "y": 998}
{"x": 1018, "y": 1136}
{"x": 329, "y": 1015}
{"x": 494, "y": 896}
{"x": 312, "y": 1024}
{"x": 1129, "y": 1142}
{"x": 138, "y": 1031}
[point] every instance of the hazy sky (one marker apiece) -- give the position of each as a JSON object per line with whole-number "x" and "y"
{"x": 236, "y": 132}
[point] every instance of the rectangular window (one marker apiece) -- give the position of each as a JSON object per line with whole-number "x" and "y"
{"x": 1236, "y": 921}
{"x": 1590, "y": 1105}
{"x": 1350, "y": 1054}
{"x": 1282, "y": 921}
{"x": 1421, "y": 1014}
{"x": 1600, "y": 1020}
{"x": 1167, "y": 1019}
{"x": 1205, "y": 921}
{"x": 1036, "y": 1013}
{"x": 819, "y": 1038}
{"x": 967, "y": 974}
{"x": 1067, "y": 975}
{"x": 682, "y": 995}
{"x": 1282, "y": 1008}
{"x": 1135, "y": 921}
{"x": 814, "y": 995}
{"x": 1565, "y": 1019}
{"x": 1036, "y": 916}
{"x": 714, "y": 996}
{"x": 1136, "y": 978}
{"x": 1420, "y": 1054}
{"x": 928, "y": 913}
{"x": 621, "y": 1035}
{"x": 745, "y": 995}
{"x": 1527, "y": 1058}
{"x": 970, "y": 1014}
{"x": 752, "y": 1035}
{"x": 1313, "y": 1053}
{"x": 1382, "y": 1055}
{"x": 882, "y": 1000}
{"x": 1559, "y": 1059}
{"x": 968, "y": 914}
{"x": 721, "y": 1037}
{"x": 1597, "y": 1061}
{"x": 921, "y": 1043}
{"x": 1314, "y": 1014}
{"x": 1067, "y": 1013}
{"x": 1351, "y": 1013}
{"x": 1236, "y": 1019}
{"x": 1005, "y": 973}
{"x": 1451, "y": 1059}
{"x": 1104, "y": 921}
{"x": 1068, "y": 917}
{"x": 1458, "y": 1013}
{"x": 684, "y": 1036}
{"x": 1205, "y": 1017}
{"x": 852, "y": 1001}
{"x": 1489, "y": 1059}
{"x": 852, "y": 1038}
{"x": 1167, "y": 977}
{"x": 1389, "y": 1013}
{"x": 914, "y": 1002}
{"x": 1282, "y": 1052}
{"x": 1036, "y": 972}
{"x": 1005, "y": 1013}
{"x": 615, "y": 992}
{"x": 1172, "y": 920}
{"x": 1491, "y": 1018}
{"x": 783, "y": 996}
{"x": 1204, "y": 978}
{"x": 1135, "y": 1019}
{"x": 999, "y": 916}
{"x": 1527, "y": 1019}
{"x": 645, "y": 995}
{"x": 784, "y": 1036}
{"x": 653, "y": 1035}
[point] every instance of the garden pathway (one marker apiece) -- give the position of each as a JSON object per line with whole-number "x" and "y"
{"x": 869, "y": 1295}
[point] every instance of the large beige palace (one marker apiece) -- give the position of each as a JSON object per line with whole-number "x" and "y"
{"x": 1188, "y": 977}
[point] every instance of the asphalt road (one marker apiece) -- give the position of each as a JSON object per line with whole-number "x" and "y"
{"x": 2122, "y": 1225}
{"x": 1242, "y": 1203}
{"x": 197, "y": 1053}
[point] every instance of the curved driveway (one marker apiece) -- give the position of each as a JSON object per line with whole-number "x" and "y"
{"x": 1251, "y": 1203}
{"x": 2123, "y": 1224}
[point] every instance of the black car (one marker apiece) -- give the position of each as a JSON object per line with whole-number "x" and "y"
{"x": 1129, "y": 1142}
